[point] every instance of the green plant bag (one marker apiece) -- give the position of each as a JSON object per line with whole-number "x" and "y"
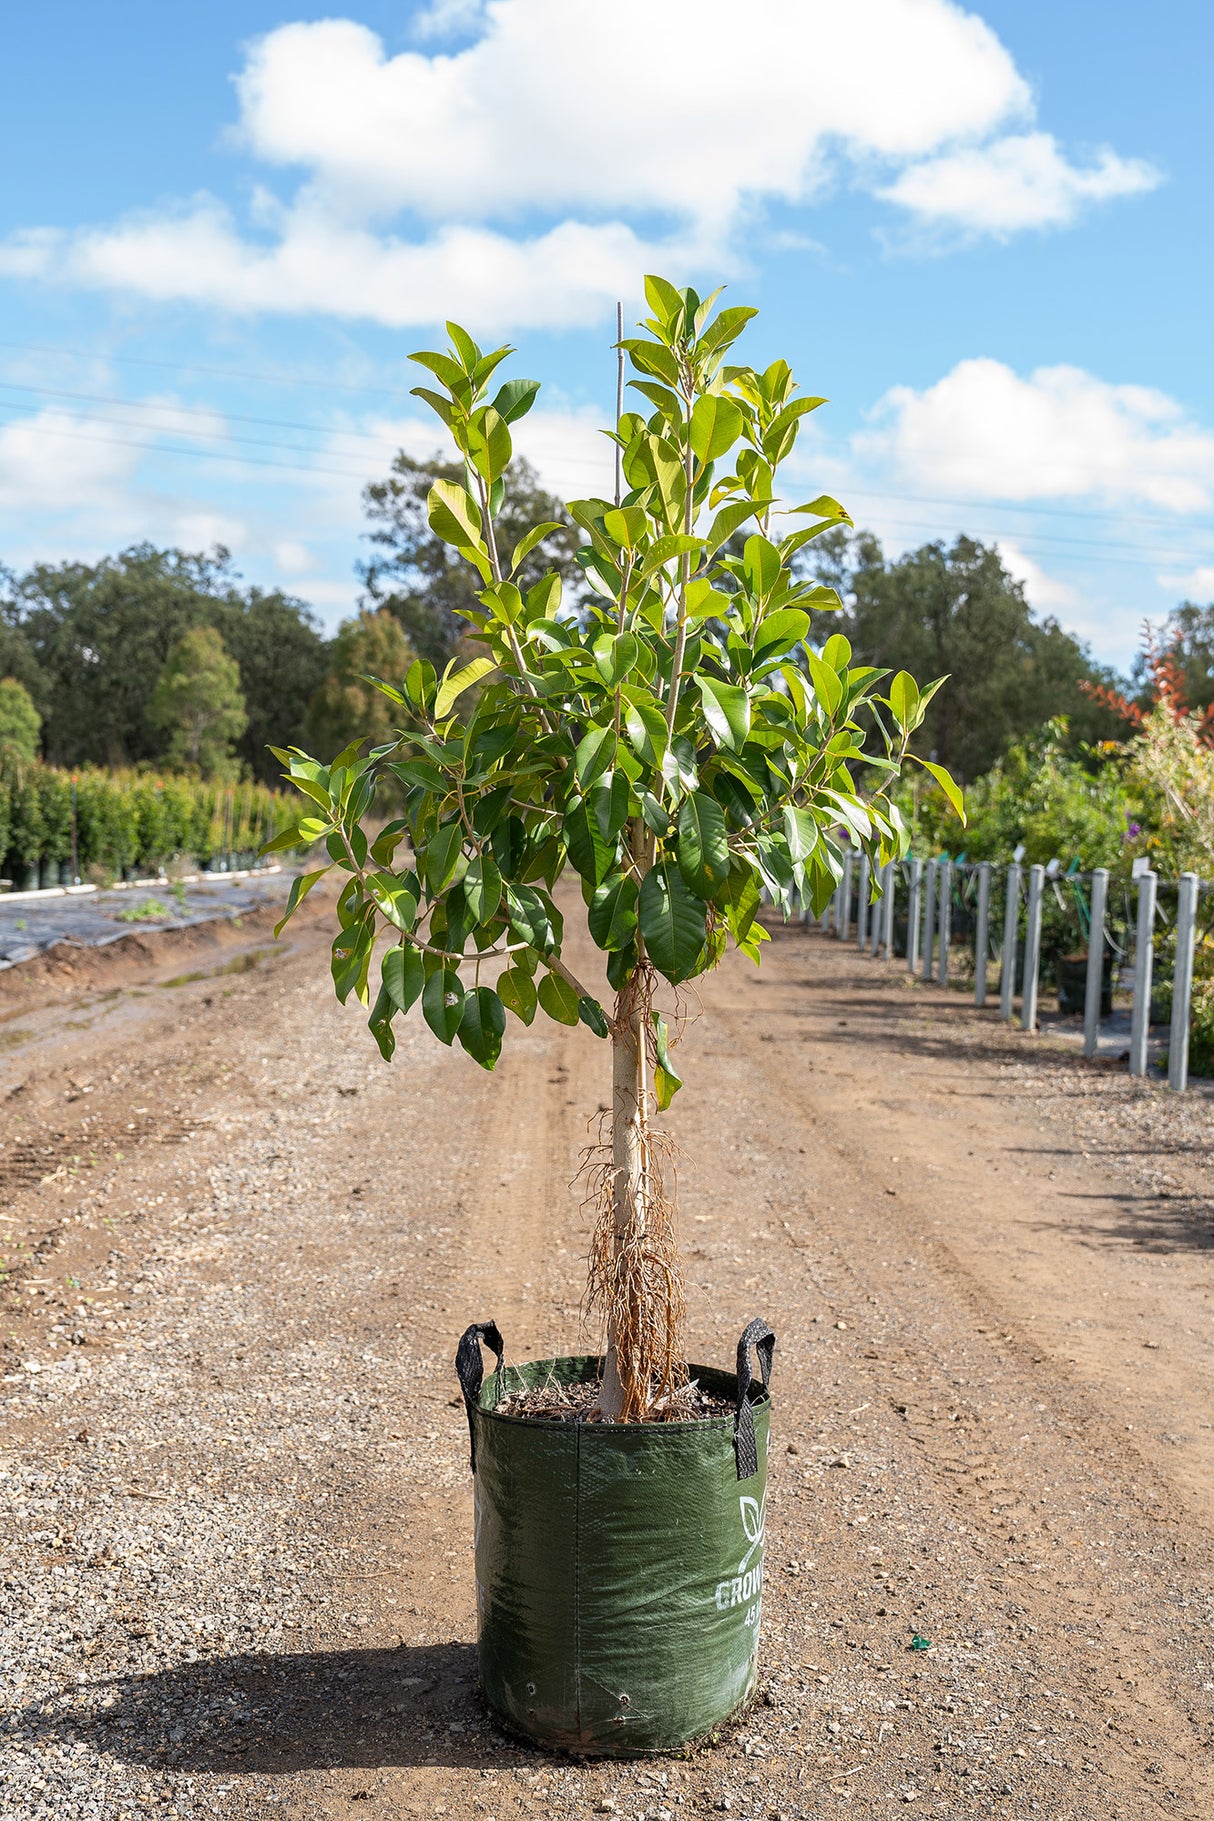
{"x": 619, "y": 1567}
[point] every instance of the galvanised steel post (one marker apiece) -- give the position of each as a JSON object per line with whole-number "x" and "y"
{"x": 982, "y": 931}
{"x": 929, "y": 918}
{"x": 1011, "y": 927}
{"x": 862, "y": 891}
{"x": 849, "y": 860}
{"x": 887, "y": 908}
{"x": 913, "y": 906}
{"x": 1095, "y": 979}
{"x": 945, "y": 894}
{"x": 1182, "y": 982}
{"x": 1144, "y": 959}
{"x": 1032, "y": 949}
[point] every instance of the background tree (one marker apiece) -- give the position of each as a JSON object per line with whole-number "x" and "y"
{"x": 91, "y": 640}
{"x": 1187, "y": 635}
{"x": 345, "y": 707}
{"x": 20, "y": 722}
{"x": 425, "y": 583}
{"x": 957, "y": 611}
{"x": 197, "y": 703}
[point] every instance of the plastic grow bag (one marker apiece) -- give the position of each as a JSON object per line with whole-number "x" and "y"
{"x": 619, "y": 1567}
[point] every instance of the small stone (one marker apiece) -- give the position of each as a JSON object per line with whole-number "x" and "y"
{"x": 841, "y": 1324}
{"x": 841, "y": 1460}
{"x": 792, "y": 1448}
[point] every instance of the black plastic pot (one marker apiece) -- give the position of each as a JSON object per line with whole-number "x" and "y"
{"x": 1071, "y": 976}
{"x": 619, "y": 1567}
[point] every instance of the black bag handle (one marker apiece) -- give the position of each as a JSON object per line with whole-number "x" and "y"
{"x": 470, "y": 1370}
{"x": 759, "y": 1336}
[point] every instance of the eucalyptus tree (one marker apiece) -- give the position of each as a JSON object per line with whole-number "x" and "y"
{"x": 678, "y": 743}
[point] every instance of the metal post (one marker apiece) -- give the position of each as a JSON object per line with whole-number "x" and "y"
{"x": 75, "y": 851}
{"x": 912, "y": 915}
{"x": 929, "y": 919}
{"x": 878, "y": 914}
{"x": 1096, "y": 945}
{"x": 1182, "y": 983}
{"x": 982, "y": 931}
{"x": 1011, "y": 926}
{"x": 946, "y": 917}
{"x": 862, "y": 904}
{"x": 844, "y": 923}
{"x": 1032, "y": 950}
{"x": 887, "y": 908}
{"x": 1144, "y": 958}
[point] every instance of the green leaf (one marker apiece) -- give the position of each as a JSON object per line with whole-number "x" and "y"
{"x": 482, "y": 1026}
{"x": 404, "y": 975}
{"x": 482, "y": 889}
{"x": 828, "y": 686}
{"x": 590, "y": 853}
{"x": 453, "y": 514}
{"x": 489, "y": 444}
{"x": 443, "y": 855}
{"x": 761, "y": 565}
{"x": 780, "y": 631}
{"x": 380, "y": 1023}
{"x": 311, "y": 828}
{"x": 645, "y": 725}
{"x": 395, "y": 900}
{"x": 741, "y": 898}
{"x": 666, "y": 1081}
{"x": 727, "y": 711}
{"x": 522, "y": 550}
{"x": 454, "y": 685}
{"x": 559, "y": 999}
{"x": 514, "y": 399}
{"x": 443, "y": 1003}
{"x": 673, "y": 922}
{"x": 516, "y": 990}
{"x": 801, "y": 832}
{"x": 593, "y": 1016}
{"x": 716, "y": 424}
{"x": 625, "y": 526}
{"x": 300, "y": 888}
{"x": 529, "y": 918}
{"x": 730, "y": 518}
{"x": 703, "y": 846}
{"x": 290, "y": 837}
{"x": 837, "y": 651}
{"x": 948, "y": 785}
{"x": 609, "y": 800}
{"x": 612, "y": 916}
{"x": 594, "y": 756}
{"x": 662, "y": 298}
{"x": 904, "y": 700}
{"x": 615, "y": 654}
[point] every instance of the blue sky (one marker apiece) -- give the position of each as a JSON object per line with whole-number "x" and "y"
{"x": 984, "y": 233}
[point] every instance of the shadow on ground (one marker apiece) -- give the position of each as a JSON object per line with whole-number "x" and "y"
{"x": 353, "y": 1709}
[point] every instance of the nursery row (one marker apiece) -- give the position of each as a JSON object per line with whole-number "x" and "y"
{"x": 1149, "y": 938}
{"x": 59, "y": 826}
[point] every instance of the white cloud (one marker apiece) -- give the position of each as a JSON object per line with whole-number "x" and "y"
{"x": 1196, "y": 585}
{"x": 1022, "y": 181}
{"x": 552, "y": 165}
{"x": 985, "y": 432}
{"x": 292, "y": 556}
{"x": 1044, "y": 591}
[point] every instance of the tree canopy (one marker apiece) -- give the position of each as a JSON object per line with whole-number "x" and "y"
{"x": 20, "y": 722}
{"x": 346, "y": 706}
{"x": 197, "y": 703}
{"x": 425, "y": 583}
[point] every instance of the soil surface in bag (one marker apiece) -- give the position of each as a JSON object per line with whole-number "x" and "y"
{"x": 235, "y": 1510}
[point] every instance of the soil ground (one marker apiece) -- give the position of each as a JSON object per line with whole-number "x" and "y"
{"x": 236, "y": 1544}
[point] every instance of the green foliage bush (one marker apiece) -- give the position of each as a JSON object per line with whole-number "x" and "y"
{"x": 127, "y": 822}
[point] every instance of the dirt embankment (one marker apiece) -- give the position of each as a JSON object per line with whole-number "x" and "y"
{"x": 240, "y": 1250}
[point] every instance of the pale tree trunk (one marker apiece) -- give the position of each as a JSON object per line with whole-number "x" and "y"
{"x": 627, "y": 1168}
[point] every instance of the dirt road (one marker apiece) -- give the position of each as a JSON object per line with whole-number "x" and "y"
{"x": 236, "y": 1549}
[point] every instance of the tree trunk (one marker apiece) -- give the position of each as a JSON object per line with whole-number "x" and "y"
{"x": 628, "y": 1089}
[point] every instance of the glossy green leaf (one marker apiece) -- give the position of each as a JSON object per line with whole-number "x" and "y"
{"x": 612, "y": 916}
{"x": 482, "y": 1026}
{"x": 615, "y": 655}
{"x": 380, "y": 1023}
{"x": 727, "y": 711}
{"x": 482, "y": 889}
{"x": 672, "y": 920}
{"x": 559, "y": 999}
{"x": 590, "y": 853}
{"x": 404, "y": 975}
{"x": 593, "y": 1016}
{"x": 529, "y": 917}
{"x": 594, "y": 756}
{"x": 516, "y": 990}
{"x": 716, "y": 424}
{"x": 300, "y": 887}
{"x": 703, "y": 845}
{"x": 904, "y": 700}
{"x": 513, "y": 400}
{"x": 609, "y": 801}
{"x": 443, "y": 1003}
{"x": 396, "y": 901}
{"x": 443, "y": 855}
{"x": 948, "y": 785}
{"x": 454, "y": 683}
{"x": 666, "y": 1080}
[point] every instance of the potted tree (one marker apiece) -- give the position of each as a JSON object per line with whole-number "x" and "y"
{"x": 676, "y": 740}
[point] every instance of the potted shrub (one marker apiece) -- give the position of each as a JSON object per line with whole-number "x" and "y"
{"x": 674, "y": 740}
